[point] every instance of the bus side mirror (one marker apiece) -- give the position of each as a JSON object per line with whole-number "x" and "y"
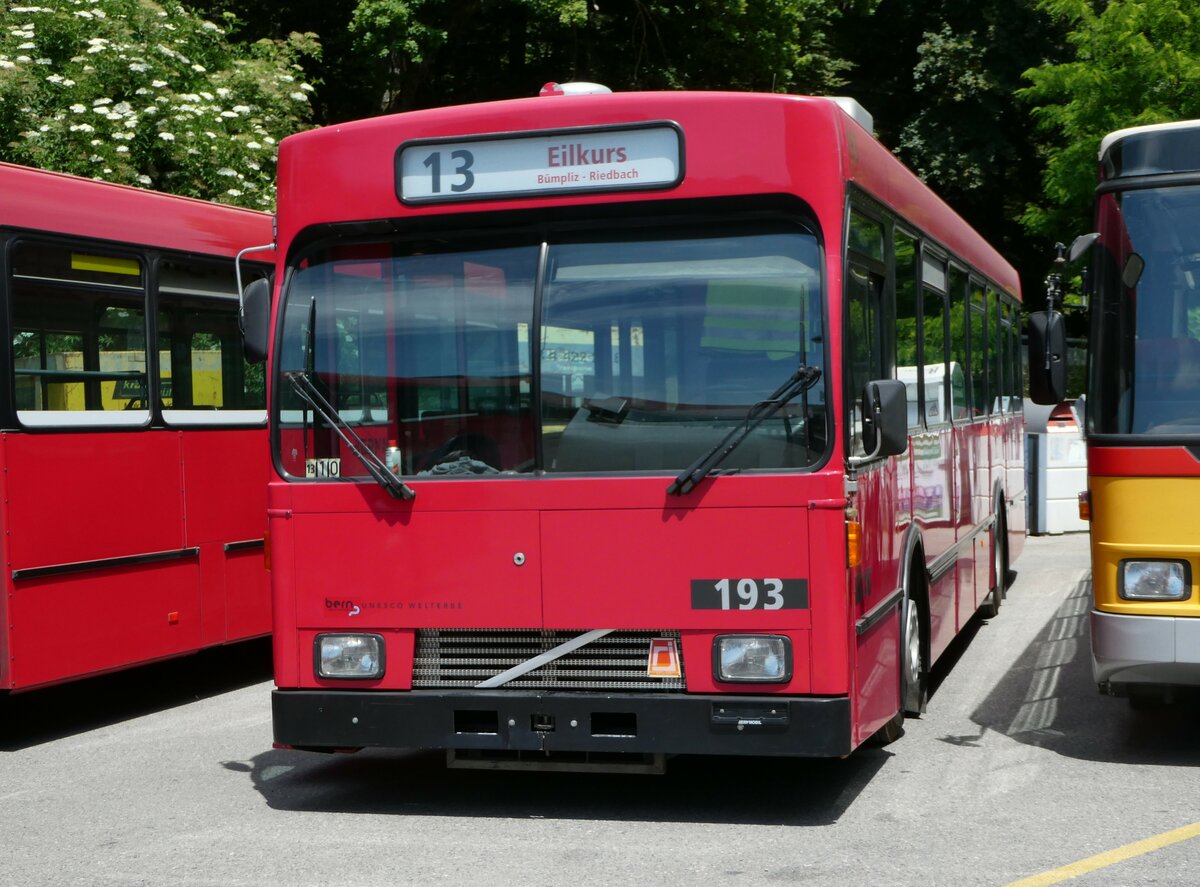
{"x": 1132, "y": 272}
{"x": 1081, "y": 245}
{"x": 885, "y": 418}
{"x": 1047, "y": 357}
{"x": 255, "y": 319}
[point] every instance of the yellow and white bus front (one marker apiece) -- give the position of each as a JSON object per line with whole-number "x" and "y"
{"x": 1143, "y": 413}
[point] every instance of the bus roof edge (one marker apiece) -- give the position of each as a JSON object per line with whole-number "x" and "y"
{"x": 855, "y": 111}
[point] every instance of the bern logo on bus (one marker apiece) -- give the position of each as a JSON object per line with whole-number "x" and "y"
{"x": 351, "y": 608}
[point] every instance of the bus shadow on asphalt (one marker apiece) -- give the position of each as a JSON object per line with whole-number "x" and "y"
{"x": 39, "y": 716}
{"x": 751, "y": 791}
{"x": 1048, "y": 699}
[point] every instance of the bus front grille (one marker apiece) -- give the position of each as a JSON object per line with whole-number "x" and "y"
{"x": 461, "y": 658}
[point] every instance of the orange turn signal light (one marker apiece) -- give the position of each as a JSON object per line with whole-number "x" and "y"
{"x": 853, "y": 543}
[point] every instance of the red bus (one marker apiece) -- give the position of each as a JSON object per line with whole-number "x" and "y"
{"x": 132, "y": 430}
{"x": 628, "y": 424}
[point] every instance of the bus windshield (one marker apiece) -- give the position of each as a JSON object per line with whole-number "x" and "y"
{"x": 1146, "y": 359}
{"x": 612, "y": 354}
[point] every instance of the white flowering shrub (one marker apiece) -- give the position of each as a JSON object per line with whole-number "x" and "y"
{"x": 148, "y": 94}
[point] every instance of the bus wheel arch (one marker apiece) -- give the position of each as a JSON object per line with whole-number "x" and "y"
{"x": 913, "y": 653}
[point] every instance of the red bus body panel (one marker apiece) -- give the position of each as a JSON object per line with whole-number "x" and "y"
{"x": 36, "y": 200}
{"x": 640, "y": 549}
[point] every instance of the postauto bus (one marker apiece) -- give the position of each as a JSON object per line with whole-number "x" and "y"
{"x": 1143, "y": 409}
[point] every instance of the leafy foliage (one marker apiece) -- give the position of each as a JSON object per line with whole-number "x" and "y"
{"x": 142, "y": 93}
{"x": 1134, "y": 63}
{"x": 991, "y": 102}
{"x": 939, "y": 75}
{"x": 397, "y": 55}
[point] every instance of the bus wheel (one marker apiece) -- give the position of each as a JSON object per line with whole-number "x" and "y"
{"x": 889, "y": 732}
{"x": 991, "y": 606}
{"x": 1002, "y": 555}
{"x": 913, "y": 690}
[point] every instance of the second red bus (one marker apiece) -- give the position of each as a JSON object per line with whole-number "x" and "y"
{"x": 132, "y": 430}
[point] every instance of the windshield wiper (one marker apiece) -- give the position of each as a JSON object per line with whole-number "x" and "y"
{"x": 308, "y": 392}
{"x": 801, "y": 380}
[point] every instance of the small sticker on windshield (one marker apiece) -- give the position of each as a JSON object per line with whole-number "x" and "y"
{"x": 322, "y": 467}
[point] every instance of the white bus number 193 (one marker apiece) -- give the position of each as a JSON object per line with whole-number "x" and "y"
{"x": 747, "y": 594}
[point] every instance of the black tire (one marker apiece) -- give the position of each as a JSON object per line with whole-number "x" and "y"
{"x": 1002, "y": 564}
{"x": 889, "y": 732}
{"x": 914, "y": 691}
{"x": 991, "y": 606}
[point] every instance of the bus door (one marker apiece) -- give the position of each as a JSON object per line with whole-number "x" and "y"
{"x": 214, "y": 403}
{"x": 878, "y": 486}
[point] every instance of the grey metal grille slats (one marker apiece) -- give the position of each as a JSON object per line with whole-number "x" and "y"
{"x": 461, "y": 658}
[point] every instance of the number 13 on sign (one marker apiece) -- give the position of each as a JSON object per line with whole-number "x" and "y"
{"x": 462, "y": 161}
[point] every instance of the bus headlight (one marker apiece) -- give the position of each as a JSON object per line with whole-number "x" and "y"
{"x": 1155, "y": 580}
{"x": 753, "y": 658}
{"x": 349, "y": 656}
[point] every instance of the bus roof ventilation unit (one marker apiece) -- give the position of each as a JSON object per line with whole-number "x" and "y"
{"x": 574, "y": 88}
{"x": 855, "y": 111}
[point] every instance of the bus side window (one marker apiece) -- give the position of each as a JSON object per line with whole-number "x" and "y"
{"x": 865, "y": 321}
{"x": 864, "y": 344}
{"x": 1016, "y": 389}
{"x": 1000, "y": 362}
{"x": 933, "y": 358}
{"x": 79, "y": 334}
{"x": 906, "y": 325}
{"x": 978, "y": 351}
{"x": 959, "y": 405}
{"x": 200, "y": 360}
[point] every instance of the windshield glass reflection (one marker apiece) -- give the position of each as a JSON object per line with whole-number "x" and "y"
{"x": 646, "y": 353}
{"x": 1146, "y": 356}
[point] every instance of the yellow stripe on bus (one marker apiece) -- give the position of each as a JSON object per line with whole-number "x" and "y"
{"x": 1144, "y": 517}
{"x": 1110, "y": 857}
{"x": 105, "y": 264}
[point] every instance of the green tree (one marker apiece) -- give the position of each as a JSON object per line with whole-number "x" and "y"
{"x": 397, "y": 55}
{"x": 510, "y": 48}
{"x": 939, "y": 76}
{"x": 1134, "y": 63}
{"x": 149, "y": 94}
{"x": 344, "y": 79}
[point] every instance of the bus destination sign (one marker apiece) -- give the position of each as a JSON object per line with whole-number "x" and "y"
{"x": 563, "y": 161}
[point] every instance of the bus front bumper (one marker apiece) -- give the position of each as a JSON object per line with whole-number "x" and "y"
{"x": 1144, "y": 650}
{"x": 497, "y": 720}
